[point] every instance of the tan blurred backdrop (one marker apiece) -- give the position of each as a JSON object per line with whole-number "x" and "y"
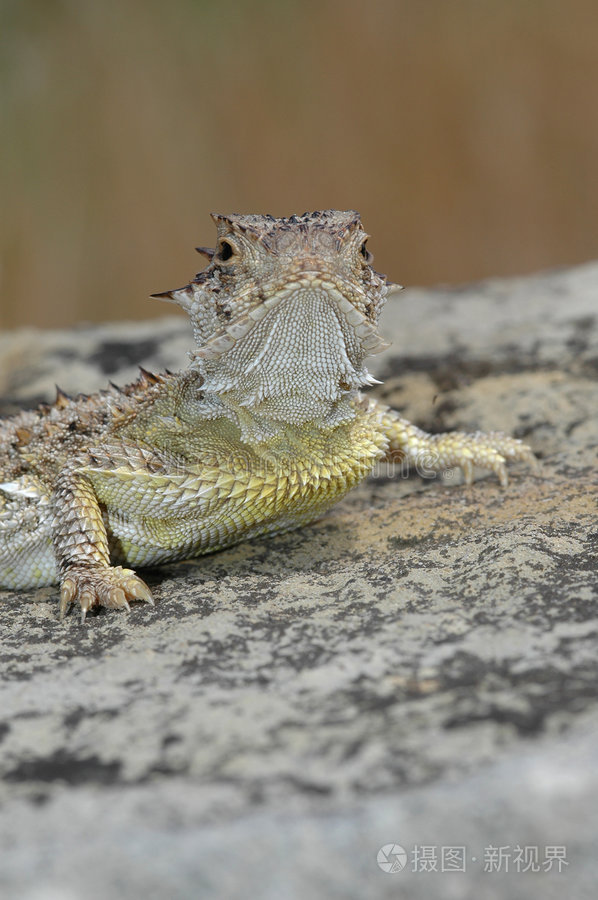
{"x": 464, "y": 131}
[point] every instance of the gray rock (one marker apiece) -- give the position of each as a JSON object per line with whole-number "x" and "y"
{"x": 418, "y": 667}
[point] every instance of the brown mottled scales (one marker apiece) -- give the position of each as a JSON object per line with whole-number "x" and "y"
{"x": 262, "y": 432}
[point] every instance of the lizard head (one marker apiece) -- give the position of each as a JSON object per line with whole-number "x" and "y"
{"x": 286, "y": 308}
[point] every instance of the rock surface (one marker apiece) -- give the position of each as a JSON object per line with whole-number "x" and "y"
{"x": 418, "y": 667}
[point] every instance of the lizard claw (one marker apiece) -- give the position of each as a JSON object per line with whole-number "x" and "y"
{"x": 67, "y": 595}
{"x": 136, "y": 589}
{"x": 490, "y": 451}
{"x": 111, "y": 587}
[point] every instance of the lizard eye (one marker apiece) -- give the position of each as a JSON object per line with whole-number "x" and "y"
{"x": 225, "y": 251}
{"x": 366, "y": 253}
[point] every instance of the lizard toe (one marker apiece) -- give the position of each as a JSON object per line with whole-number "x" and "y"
{"x": 110, "y": 587}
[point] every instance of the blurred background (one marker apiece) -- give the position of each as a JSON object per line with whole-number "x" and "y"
{"x": 464, "y": 131}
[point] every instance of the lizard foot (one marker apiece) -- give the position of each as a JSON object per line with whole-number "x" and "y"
{"x": 112, "y": 587}
{"x": 492, "y": 450}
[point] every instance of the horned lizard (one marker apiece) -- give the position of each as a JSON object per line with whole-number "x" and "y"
{"x": 263, "y": 431}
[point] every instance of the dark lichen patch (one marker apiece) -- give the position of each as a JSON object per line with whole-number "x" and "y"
{"x": 536, "y": 695}
{"x": 525, "y": 723}
{"x": 81, "y": 714}
{"x": 304, "y": 786}
{"x": 66, "y": 768}
{"x": 111, "y": 356}
{"x": 457, "y": 369}
{"x": 396, "y": 542}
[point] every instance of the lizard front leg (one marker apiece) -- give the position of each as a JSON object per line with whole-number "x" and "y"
{"x": 81, "y": 550}
{"x": 437, "y": 452}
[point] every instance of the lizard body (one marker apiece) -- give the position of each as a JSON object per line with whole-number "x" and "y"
{"x": 262, "y": 433}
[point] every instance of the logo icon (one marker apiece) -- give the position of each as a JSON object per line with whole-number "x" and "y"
{"x": 391, "y": 858}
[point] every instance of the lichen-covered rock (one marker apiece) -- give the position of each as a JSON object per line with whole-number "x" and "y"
{"x": 418, "y": 667}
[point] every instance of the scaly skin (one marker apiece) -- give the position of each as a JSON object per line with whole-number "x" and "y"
{"x": 263, "y": 432}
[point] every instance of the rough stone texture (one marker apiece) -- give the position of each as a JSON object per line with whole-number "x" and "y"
{"x": 418, "y": 667}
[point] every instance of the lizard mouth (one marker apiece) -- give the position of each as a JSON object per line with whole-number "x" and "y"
{"x": 268, "y": 315}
